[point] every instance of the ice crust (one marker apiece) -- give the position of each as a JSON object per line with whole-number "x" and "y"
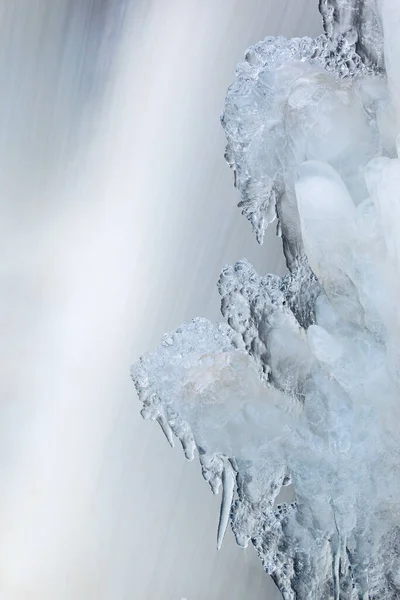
{"x": 301, "y": 386}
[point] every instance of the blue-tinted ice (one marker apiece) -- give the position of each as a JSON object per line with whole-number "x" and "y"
{"x": 301, "y": 384}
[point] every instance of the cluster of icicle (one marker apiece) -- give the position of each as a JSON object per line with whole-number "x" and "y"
{"x": 301, "y": 386}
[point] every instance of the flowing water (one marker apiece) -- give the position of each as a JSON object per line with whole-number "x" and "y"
{"x": 118, "y": 212}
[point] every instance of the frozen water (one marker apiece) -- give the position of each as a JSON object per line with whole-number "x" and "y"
{"x": 301, "y": 386}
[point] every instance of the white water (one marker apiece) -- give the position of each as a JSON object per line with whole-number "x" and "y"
{"x": 93, "y": 503}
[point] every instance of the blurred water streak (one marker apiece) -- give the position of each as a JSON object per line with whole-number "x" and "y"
{"x": 118, "y": 213}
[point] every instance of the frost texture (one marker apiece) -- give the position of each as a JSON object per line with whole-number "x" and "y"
{"x": 301, "y": 387}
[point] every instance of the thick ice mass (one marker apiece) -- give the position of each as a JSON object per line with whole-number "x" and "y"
{"x": 301, "y": 386}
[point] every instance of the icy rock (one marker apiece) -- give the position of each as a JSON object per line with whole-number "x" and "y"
{"x": 301, "y": 386}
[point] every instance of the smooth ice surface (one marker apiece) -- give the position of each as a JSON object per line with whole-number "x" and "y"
{"x": 301, "y": 386}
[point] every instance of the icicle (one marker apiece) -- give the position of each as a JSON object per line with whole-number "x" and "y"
{"x": 166, "y": 429}
{"x": 228, "y": 486}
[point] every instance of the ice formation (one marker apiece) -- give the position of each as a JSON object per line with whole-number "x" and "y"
{"x": 301, "y": 385}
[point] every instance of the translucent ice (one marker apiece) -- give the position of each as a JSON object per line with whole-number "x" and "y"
{"x": 302, "y": 385}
